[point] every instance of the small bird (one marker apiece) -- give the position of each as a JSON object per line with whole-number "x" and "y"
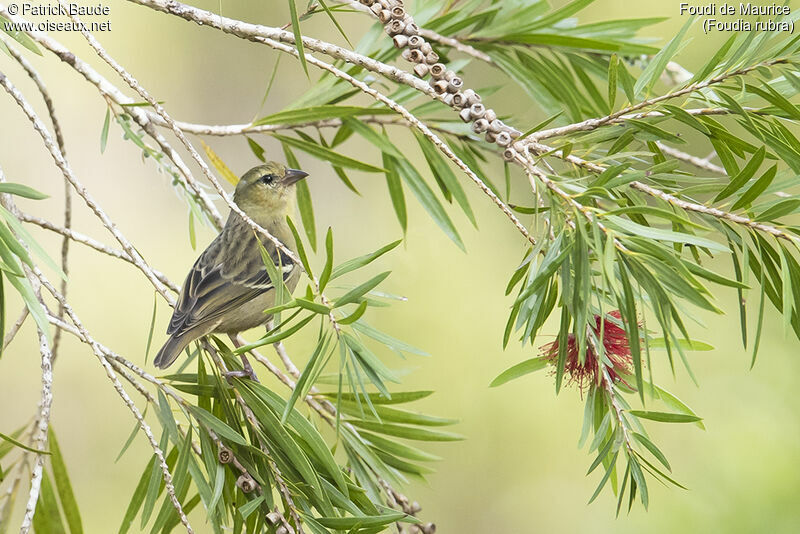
{"x": 229, "y": 287}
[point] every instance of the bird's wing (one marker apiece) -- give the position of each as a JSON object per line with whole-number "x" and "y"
{"x": 226, "y": 275}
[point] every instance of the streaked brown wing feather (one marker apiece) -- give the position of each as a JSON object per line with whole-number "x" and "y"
{"x": 226, "y": 275}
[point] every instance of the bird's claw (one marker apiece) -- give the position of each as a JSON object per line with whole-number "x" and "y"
{"x": 246, "y": 372}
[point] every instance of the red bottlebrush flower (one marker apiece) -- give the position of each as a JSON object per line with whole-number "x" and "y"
{"x": 617, "y": 353}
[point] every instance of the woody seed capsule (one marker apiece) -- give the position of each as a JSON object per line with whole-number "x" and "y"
{"x": 509, "y": 154}
{"x": 366, "y": 2}
{"x": 426, "y": 48}
{"x": 398, "y": 12}
{"x": 416, "y": 56}
{"x": 431, "y": 58}
{"x": 480, "y": 126}
{"x": 225, "y": 455}
{"x": 384, "y": 16}
{"x": 449, "y": 75}
{"x": 477, "y": 110}
{"x": 514, "y": 133}
{"x": 491, "y": 137}
{"x": 503, "y": 139}
{"x": 273, "y": 518}
{"x": 246, "y": 483}
{"x": 395, "y": 27}
{"x": 407, "y": 54}
{"x": 282, "y": 530}
{"x": 496, "y": 125}
{"x": 440, "y": 86}
{"x": 438, "y": 70}
{"x": 455, "y": 85}
{"x": 421, "y": 70}
{"x": 465, "y": 114}
{"x": 376, "y": 8}
{"x": 447, "y": 99}
{"x": 400, "y": 41}
{"x": 459, "y": 100}
{"x": 470, "y": 95}
{"x": 411, "y": 28}
{"x": 415, "y": 41}
{"x": 490, "y": 115}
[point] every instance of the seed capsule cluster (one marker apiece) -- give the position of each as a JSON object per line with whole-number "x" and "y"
{"x": 415, "y": 49}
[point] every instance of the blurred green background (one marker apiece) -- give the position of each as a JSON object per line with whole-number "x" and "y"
{"x": 519, "y": 469}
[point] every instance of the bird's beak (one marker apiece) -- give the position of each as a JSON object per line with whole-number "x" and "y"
{"x": 293, "y": 176}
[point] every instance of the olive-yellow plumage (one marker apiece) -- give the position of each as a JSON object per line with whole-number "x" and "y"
{"x": 229, "y": 288}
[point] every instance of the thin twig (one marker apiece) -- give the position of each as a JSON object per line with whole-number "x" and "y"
{"x": 66, "y": 170}
{"x": 98, "y": 352}
{"x": 42, "y": 423}
{"x": 700, "y": 163}
{"x": 51, "y": 110}
{"x": 12, "y": 332}
{"x": 110, "y": 92}
{"x": 98, "y": 246}
{"x": 591, "y": 124}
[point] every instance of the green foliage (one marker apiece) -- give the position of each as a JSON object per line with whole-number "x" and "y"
{"x": 624, "y": 229}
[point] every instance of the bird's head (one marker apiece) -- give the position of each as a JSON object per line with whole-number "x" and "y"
{"x": 268, "y": 188}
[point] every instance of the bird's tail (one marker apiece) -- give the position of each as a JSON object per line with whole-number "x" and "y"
{"x": 171, "y": 350}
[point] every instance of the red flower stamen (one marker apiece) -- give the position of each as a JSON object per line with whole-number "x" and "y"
{"x": 617, "y": 351}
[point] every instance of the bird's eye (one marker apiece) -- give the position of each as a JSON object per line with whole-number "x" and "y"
{"x": 267, "y": 179}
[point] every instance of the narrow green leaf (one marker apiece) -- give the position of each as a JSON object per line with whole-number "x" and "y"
{"x": 217, "y": 426}
{"x": 104, "y": 132}
{"x": 356, "y": 315}
{"x": 406, "y": 432}
{"x": 653, "y": 449}
{"x": 520, "y": 369}
{"x": 251, "y": 506}
{"x": 442, "y": 170}
{"x": 47, "y": 519}
{"x": 715, "y": 60}
{"x": 396, "y": 194}
{"x": 355, "y": 524}
{"x": 152, "y": 327}
{"x": 327, "y": 154}
{"x": 738, "y": 181}
{"x": 64, "y": 487}
{"x": 426, "y": 197}
{"x": 301, "y": 250}
{"x": 298, "y": 36}
{"x": 328, "y": 268}
{"x": 755, "y": 190}
{"x": 137, "y": 498}
{"x": 361, "y": 261}
{"x": 21, "y": 191}
{"x": 128, "y": 441}
{"x": 611, "y": 468}
{"x": 20, "y": 37}
{"x": 317, "y": 113}
{"x": 665, "y": 417}
{"x": 258, "y": 150}
{"x": 356, "y": 293}
{"x": 335, "y": 22}
{"x": 307, "y": 212}
{"x": 21, "y": 445}
{"x": 657, "y": 65}
{"x": 782, "y": 208}
{"x": 612, "y": 81}
{"x": 306, "y": 379}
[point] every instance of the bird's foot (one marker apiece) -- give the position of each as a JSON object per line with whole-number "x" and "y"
{"x": 246, "y": 372}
